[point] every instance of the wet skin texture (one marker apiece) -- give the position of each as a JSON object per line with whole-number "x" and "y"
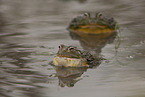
{"x": 90, "y": 24}
{"x": 73, "y": 52}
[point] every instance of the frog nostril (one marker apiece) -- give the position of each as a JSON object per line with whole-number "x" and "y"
{"x": 92, "y": 21}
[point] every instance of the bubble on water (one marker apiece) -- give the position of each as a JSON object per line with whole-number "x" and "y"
{"x": 142, "y": 42}
{"x": 130, "y": 57}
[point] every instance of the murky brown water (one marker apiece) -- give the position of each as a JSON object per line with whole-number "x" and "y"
{"x": 32, "y": 30}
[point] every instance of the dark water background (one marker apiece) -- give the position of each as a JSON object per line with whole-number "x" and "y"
{"x": 32, "y": 30}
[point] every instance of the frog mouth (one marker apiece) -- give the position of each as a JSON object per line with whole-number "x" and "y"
{"x": 69, "y": 62}
{"x": 93, "y": 29}
{"x": 93, "y": 26}
{"x": 74, "y": 57}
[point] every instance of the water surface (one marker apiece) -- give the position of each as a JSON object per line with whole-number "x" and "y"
{"x": 31, "y": 31}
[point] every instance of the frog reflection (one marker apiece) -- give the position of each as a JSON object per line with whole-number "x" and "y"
{"x": 69, "y": 76}
{"x": 93, "y": 42}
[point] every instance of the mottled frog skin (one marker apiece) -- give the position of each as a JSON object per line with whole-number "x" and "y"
{"x": 93, "y": 24}
{"x": 70, "y": 56}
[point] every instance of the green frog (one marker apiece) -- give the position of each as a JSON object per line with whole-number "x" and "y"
{"x": 70, "y": 56}
{"x": 89, "y": 24}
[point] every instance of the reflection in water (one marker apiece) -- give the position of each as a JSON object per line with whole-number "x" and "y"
{"x": 94, "y": 42}
{"x": 69, "y": 76}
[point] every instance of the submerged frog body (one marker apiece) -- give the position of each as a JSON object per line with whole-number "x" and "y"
{"x": 89, "y": 24}
{"x": 69, "y": 56}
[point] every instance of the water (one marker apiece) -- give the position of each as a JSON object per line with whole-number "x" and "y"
{"x": 31, "y": 31}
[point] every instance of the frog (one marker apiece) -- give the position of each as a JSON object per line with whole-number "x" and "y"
{"x": 89, "y": 23}
{"x": 71, "y": 56}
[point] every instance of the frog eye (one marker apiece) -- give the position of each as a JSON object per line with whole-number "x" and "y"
{"x": 87, "y": 15}
{"x": 61, "y": 46}
{"x": 70, "y": 49}
{"x": 99, "y": 15}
